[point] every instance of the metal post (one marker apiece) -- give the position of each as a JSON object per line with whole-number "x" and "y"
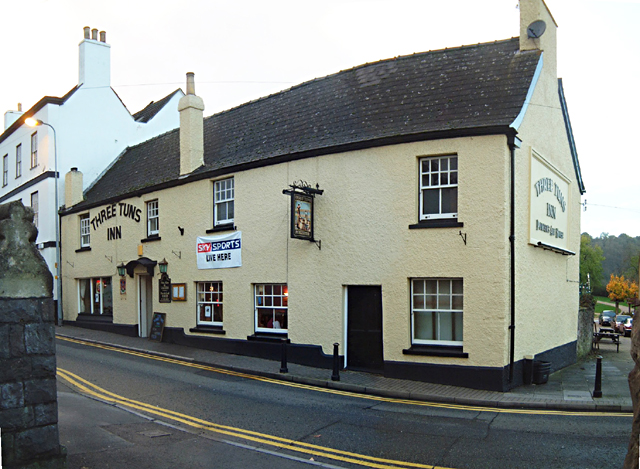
{"x": 597, "y": 392}
{"x": 283, "y": 362}
{"x": 336, "y": 363}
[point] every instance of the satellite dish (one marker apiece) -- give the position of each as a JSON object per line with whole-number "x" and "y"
{"x": 536, "y": 29}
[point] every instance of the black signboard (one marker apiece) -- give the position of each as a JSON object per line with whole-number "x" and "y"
{"x": 157, "y": 326}
{"x": 164, "y": 289}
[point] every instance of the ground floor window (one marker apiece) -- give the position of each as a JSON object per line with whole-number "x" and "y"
{"x": 209, "y": 303}
{"x": 95, "y": 296}
{"x": 271, "y": 307}
{"x": 436, "y": 311}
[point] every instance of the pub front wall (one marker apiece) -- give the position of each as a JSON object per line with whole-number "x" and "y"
{"x": 362, "y": 220}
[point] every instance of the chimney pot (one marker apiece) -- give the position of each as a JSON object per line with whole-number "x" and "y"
{"x": 191, "y": 83}
{"x": 19, "y": 107}
{"x": 74, "y": 169}
{"x": 103, "y": 36}
{"x": 94, "y": 34}
{"x": 86, "y": 32}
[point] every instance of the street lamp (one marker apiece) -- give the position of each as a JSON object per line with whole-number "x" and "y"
{"x": 31, "y": 122}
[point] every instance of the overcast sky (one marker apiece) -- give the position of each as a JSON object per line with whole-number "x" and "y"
{"x": 242, "y": 50}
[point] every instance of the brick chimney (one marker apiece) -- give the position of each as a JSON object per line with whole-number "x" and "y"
{"x": 73, "y": 188}
{"x": 95, "y": 59}
{"x": 191, "y": 109}
{"x": 532, "y": 11}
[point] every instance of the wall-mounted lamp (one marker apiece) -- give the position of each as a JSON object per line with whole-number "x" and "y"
{"x": 122, "y": 269}
{"x": 163, "y": 266}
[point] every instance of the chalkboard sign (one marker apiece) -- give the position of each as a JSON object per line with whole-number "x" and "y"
{"x": 157, "y": 326}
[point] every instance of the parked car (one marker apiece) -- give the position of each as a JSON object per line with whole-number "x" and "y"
{"x": 606, "y": 318}
{"x": 618, "y": 323}
{"x": 628, "y": 324}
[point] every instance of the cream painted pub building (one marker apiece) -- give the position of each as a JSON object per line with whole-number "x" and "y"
{"x": 422, "y": 212}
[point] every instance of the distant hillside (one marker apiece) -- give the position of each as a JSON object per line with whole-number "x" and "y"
{"x": 620, "y": 255}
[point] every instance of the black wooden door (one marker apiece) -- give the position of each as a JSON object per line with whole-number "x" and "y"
{"x": 364, "y": 328}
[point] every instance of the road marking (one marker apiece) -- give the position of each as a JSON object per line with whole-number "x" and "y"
{"x": 271, "y": 440}
{"x": 347, "y": 393}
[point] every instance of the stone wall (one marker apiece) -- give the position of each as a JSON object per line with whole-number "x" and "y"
{"x": 28, "y": 399}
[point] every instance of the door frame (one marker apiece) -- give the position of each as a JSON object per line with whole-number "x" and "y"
{"x": 144, "y": 322}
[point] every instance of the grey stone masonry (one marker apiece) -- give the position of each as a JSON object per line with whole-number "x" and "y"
{"x": 28, "y": 400}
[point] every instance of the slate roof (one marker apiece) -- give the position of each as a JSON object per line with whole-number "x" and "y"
{"x": 465, "y": 88}
{"x": 153, "y": 108}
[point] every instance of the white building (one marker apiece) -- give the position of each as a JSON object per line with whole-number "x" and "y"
{"x": 92, "y": 127}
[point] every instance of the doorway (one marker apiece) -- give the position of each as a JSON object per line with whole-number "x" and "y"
{"x": 145, "y": 304}
{"x": 364, "y": 328}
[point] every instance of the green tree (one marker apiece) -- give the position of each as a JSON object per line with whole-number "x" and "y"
{"x": 591, "y": 258}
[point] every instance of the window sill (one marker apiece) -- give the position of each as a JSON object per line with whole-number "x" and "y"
{"x": 150, "y": 239}
{"x": 436, "y": 351}
{"x": 208, "y": 330}
{"x": 269, "y": 337}
{"x": 84, "y": 249}
{"x": 225, "y": 227}
{"x": 439, "y": 223}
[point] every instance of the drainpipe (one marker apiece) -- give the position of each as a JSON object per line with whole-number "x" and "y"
{"x": 511, "y": 139}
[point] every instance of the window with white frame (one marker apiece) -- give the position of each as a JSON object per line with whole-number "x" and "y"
{"x": 5, "y": 170}
{"x": 95, "y": 296}
{"x": 209, "y": 303}
{"x": 85, "y": 231}
{"x": 34, "y": 207}
{"x": 436, "y": 311}
{"x": 438, "y": 187}
{"x": 18, "y": 161}
{"x": 223, "y": 201}
{"x": 153, "y": 218}
{"x": 34, "y": 150}
{"x": 271, "y": 307}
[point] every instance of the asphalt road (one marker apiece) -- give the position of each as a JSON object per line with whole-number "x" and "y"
{"x": 233, "y": 422}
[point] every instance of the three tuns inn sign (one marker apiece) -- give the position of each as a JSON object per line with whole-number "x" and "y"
{"x": 549, "y": 214}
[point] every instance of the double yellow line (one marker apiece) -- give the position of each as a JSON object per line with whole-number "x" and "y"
{"x": 274, "y": 441}
{"x": 346, "y": 393}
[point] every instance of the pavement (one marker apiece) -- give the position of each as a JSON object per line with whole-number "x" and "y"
{"x": 569, "y": 389}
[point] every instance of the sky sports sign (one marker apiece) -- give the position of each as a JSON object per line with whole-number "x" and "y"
{"x": 219, "y": 252}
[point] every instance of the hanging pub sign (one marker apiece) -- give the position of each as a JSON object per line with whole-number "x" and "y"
{"x": 219, "y": 252}
{"x": 302, "y": 220}
{"x": 164, "y": 288}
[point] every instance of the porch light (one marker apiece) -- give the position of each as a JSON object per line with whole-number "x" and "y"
{"x": 163, "y": 266}
{"x": 122, "y": 269}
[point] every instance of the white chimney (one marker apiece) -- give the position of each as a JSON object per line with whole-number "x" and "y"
{"x": 191, "y": 109}
{"x": 11, "y": 116}
{"x": 73, "y": 188}
{"x": 95, "y": 60}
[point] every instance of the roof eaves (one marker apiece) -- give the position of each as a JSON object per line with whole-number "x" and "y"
{"x": 572, "y": 143}
{"x": 34, "y": 109}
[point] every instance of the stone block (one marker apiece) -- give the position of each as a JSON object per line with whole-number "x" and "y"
{"x": 11, "y": 395}
{"x": 43, "y": 366}
{"x": 14, "y": 369}
{"x": 39, "y": 339}
{"x": 45, "y": 414}
{"x": 16, "y": 340}
{"x": 40, "y": 391}
{"x": 8, "y": 443}
{"x": 16, "y": 419}
{"x": 37, "y": 442}
{"x": 20, "y": 310}
{"x": 5, "y": 344}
